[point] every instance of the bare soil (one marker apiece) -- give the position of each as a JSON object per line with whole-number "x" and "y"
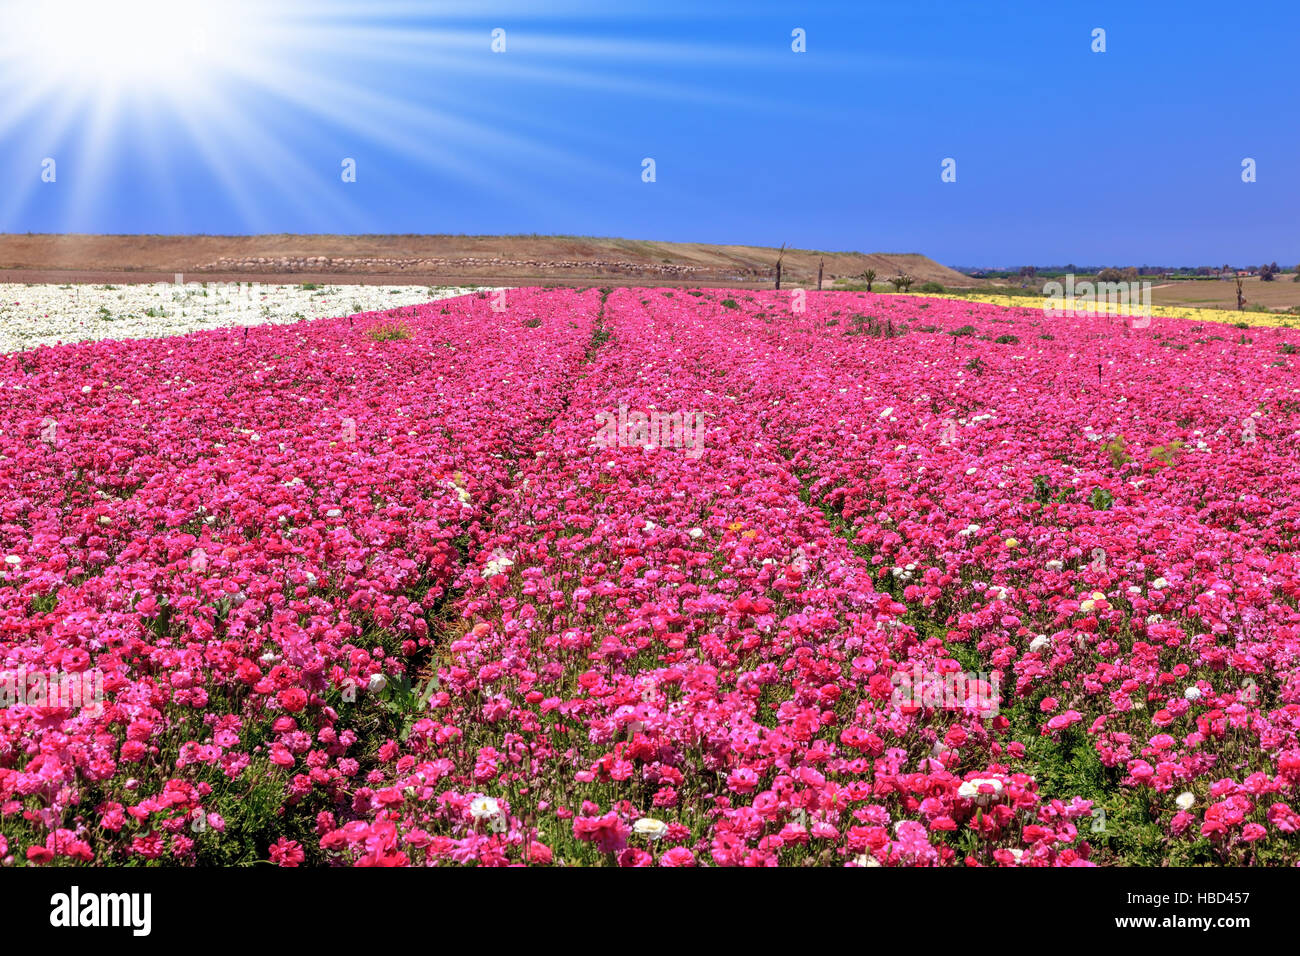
{"x": 439, "y": 260}
{"x": 1281, "y": 293}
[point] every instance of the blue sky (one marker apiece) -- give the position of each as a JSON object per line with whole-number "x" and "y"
{"x": 237, "y": 121}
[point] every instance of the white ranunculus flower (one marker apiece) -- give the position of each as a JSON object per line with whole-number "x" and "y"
{"x": 1039, "y": 642}
{"x": 377, "y": 683}
{"x": 1185, "y": 800}
{"x": 1192, "y": 693}
{"x": 484, "y": 808}
{"x": 972, "y": 790}
{"x": 650, "y": 827}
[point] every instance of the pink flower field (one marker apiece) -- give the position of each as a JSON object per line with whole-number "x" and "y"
{"x": 652, "y": 577}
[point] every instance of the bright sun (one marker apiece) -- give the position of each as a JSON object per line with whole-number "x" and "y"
{"x": 136, "y": 46}
{"x": 250, "y": 92}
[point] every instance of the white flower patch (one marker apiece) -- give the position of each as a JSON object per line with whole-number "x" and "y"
{"x": 498, "y": 563}
{"x": 34, "y": 315}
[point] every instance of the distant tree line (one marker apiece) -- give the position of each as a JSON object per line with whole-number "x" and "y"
{"x": 1267, "y": 272}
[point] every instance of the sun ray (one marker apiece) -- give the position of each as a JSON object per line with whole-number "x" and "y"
{"x": 238, "y": 82}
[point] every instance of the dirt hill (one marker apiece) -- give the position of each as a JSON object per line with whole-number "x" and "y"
{"x": 515, "y": 260}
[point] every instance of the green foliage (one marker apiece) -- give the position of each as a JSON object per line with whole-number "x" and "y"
{"x": 407, "y": 702}
{"x": 388, "y": 331}
{"x": 1123, "y": 827}
{"x": 1167, "y": 454}
{"x": 1101, "y": 499}
{"x": 42, "y": 603}
{"x": 1117, "y": 450}
{"x": 874, "y": 327}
